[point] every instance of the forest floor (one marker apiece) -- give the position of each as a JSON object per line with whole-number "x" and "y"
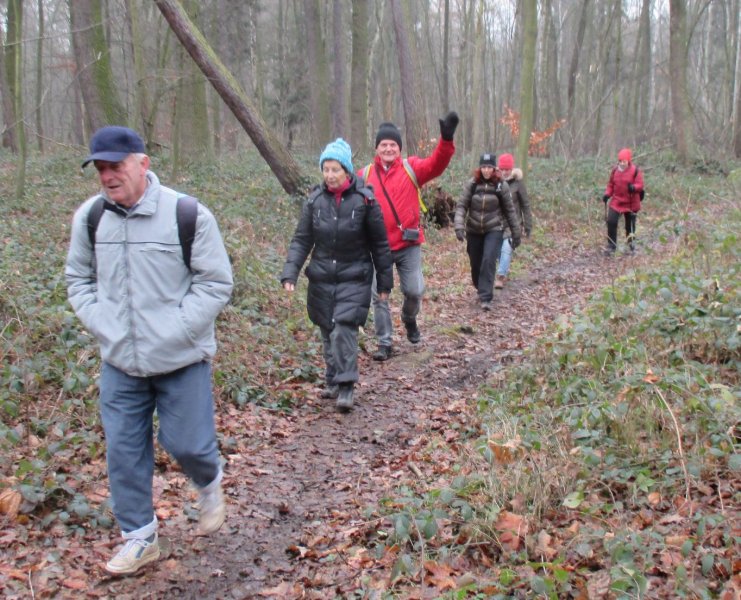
{"x": 303, "y": 485}
{"x": 298, "y": 485}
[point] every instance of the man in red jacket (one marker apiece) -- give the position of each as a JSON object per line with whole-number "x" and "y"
{"x": 398, "y": 196}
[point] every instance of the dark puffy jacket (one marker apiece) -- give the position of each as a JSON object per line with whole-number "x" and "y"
{"x": 518, "y": 191}
{"x": 486, "y": 206}
{"x": 346, "y": 243}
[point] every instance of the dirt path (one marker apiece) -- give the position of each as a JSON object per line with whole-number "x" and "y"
{"x": 297, "y": 485}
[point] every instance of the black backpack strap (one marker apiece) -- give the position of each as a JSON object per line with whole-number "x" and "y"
{"x": 93, "y": 218}
{"x": 186, "y": 214}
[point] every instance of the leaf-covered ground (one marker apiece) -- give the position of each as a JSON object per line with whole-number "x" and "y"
{"x": 299, "y": 486}
{"x": 309, "y": 490}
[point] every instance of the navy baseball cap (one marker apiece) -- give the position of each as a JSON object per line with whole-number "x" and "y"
{"x": 113, "y": 144}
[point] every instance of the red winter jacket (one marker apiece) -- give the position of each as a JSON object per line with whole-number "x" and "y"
{"x": 402, "y": 192}
{"x": 617, "y": 188}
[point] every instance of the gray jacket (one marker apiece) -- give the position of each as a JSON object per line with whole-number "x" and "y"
{"x": 150, "y": 314}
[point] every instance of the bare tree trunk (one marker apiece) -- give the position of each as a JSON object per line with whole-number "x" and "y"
{"x": 574, "y": 66}
{"x": 318, "y": 72}
{"x": 339, "y": 89}
{"x": 40, "y": 77}
{"x": 359, "y": 76}
{"x": 550, "y": 46}
{"x": 413, "y": 113}
{"x": 479, "y": 141}
{"x": 529, "y": 42}
{"x": 678, "y": 69}
{"x": 94, "y": 72}
{"x": 14, "y": 67}
{"x": 9, "y": 139}
{"x": 194, "y": 139}
{"x": 737, "y": 90}
{"x": 446, "y": 56}
{"x": 286, "y": 169}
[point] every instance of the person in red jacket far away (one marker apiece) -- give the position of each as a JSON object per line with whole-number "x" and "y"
{"x": 398, "y": 195}
{"x": 624, "y": 193}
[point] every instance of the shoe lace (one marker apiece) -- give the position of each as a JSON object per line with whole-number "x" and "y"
{"x": 131, "y": 546}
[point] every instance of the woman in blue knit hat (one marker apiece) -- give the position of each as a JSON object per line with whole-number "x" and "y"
{"x": 342, "y": 227}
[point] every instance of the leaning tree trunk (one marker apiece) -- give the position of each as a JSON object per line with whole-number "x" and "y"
{"x": 285, "y": 168}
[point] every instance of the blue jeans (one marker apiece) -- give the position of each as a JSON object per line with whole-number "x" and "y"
{"x": 185, "y": 409}
{"x": 340, "y": 353}
{"x": 483, "y": 253}
{"x": 505, "y": 257}
{"x": 408, "y": 263}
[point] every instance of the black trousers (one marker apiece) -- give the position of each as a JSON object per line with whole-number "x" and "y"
{"x": 483, "y": 254}
{"x": 613, "y": 217}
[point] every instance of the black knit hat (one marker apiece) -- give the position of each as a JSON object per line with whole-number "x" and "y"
{"x": 490, "y": 160}
{"x": 388, "y": 131}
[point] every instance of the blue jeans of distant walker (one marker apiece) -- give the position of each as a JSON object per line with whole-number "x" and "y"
{"x": 185, "y": 409}
{"x": 505, "y": 257}
{"x": 408, "y": 263}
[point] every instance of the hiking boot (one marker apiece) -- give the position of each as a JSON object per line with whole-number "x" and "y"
{"x": 213, "y": 511}
{"x": 134, "y": 555}
{"x": 413, "y": 334}
{"x": 331, "y": 392}
{"x": 608, "y": 251}
{"x": 486, "y": 306}
{"x": 499, "y": 281}
{"x": 632, "y": 246}
{"x": 383, "y": 353}
{"x": 344, "y": 400}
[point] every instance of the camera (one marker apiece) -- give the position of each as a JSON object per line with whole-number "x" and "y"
{"x": 410, "y": 235}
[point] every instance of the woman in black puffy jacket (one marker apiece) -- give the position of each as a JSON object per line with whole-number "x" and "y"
{"x": 483, "y": 212}
{"x": 342, "y": 226}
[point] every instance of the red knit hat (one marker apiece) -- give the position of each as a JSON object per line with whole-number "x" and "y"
{"x": 506, "y": 162}
{"x": 625, "y": 154}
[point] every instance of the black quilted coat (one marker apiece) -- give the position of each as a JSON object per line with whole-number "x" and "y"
{"x": 346, "y": 243}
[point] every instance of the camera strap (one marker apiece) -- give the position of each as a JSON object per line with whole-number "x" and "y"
{"x": 391, "y": 204}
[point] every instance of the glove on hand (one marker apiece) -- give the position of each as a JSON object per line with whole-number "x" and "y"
{"x": 514, "y": 242}
{"x": 461, "y": 235}
{"x": 631, "y": 188}
{"x": 605, "y": 198}
{"x": 448, "y": 125}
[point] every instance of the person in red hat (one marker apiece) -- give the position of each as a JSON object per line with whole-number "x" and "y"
{"x": 518, "y": 191}
{"x": 623, "y": 196}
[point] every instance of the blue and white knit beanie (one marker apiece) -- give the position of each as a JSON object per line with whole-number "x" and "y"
{"x": 340, "y": 151}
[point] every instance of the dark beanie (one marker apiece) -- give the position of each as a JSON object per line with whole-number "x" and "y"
{"x": 487, "y": 159}
{"x": 388, "y": 131}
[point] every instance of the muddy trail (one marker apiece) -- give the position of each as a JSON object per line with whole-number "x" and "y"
{"x": 298, "y": 485}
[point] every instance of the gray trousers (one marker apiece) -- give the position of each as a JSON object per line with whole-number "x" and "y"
{"x": 340, "y": 346}
{"x": 408, "y": 263}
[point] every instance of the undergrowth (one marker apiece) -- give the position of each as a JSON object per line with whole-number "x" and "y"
{"x": 615, "y": 447}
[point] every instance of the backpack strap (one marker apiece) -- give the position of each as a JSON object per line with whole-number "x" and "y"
{"x": 93, "y": 219}
{"x": 186, "y": 213}
{"x": 413, "y": 177}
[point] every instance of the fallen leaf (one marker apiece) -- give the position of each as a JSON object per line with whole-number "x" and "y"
{"x": 10, "y": 502}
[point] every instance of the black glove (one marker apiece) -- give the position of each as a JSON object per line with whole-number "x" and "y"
{"x": 605, "y": 198}
{"x": 448, "y": 125}
{"x": 631, "y": 188}
{"x": 514, "y": 242}
{"x": 461, "y": 235}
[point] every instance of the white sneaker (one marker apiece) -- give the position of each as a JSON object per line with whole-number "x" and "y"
{"x": 133, "y": 556}
{"x": 213, "y": 512}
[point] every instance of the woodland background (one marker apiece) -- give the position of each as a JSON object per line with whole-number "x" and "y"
{"x": 580, "y": 76}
